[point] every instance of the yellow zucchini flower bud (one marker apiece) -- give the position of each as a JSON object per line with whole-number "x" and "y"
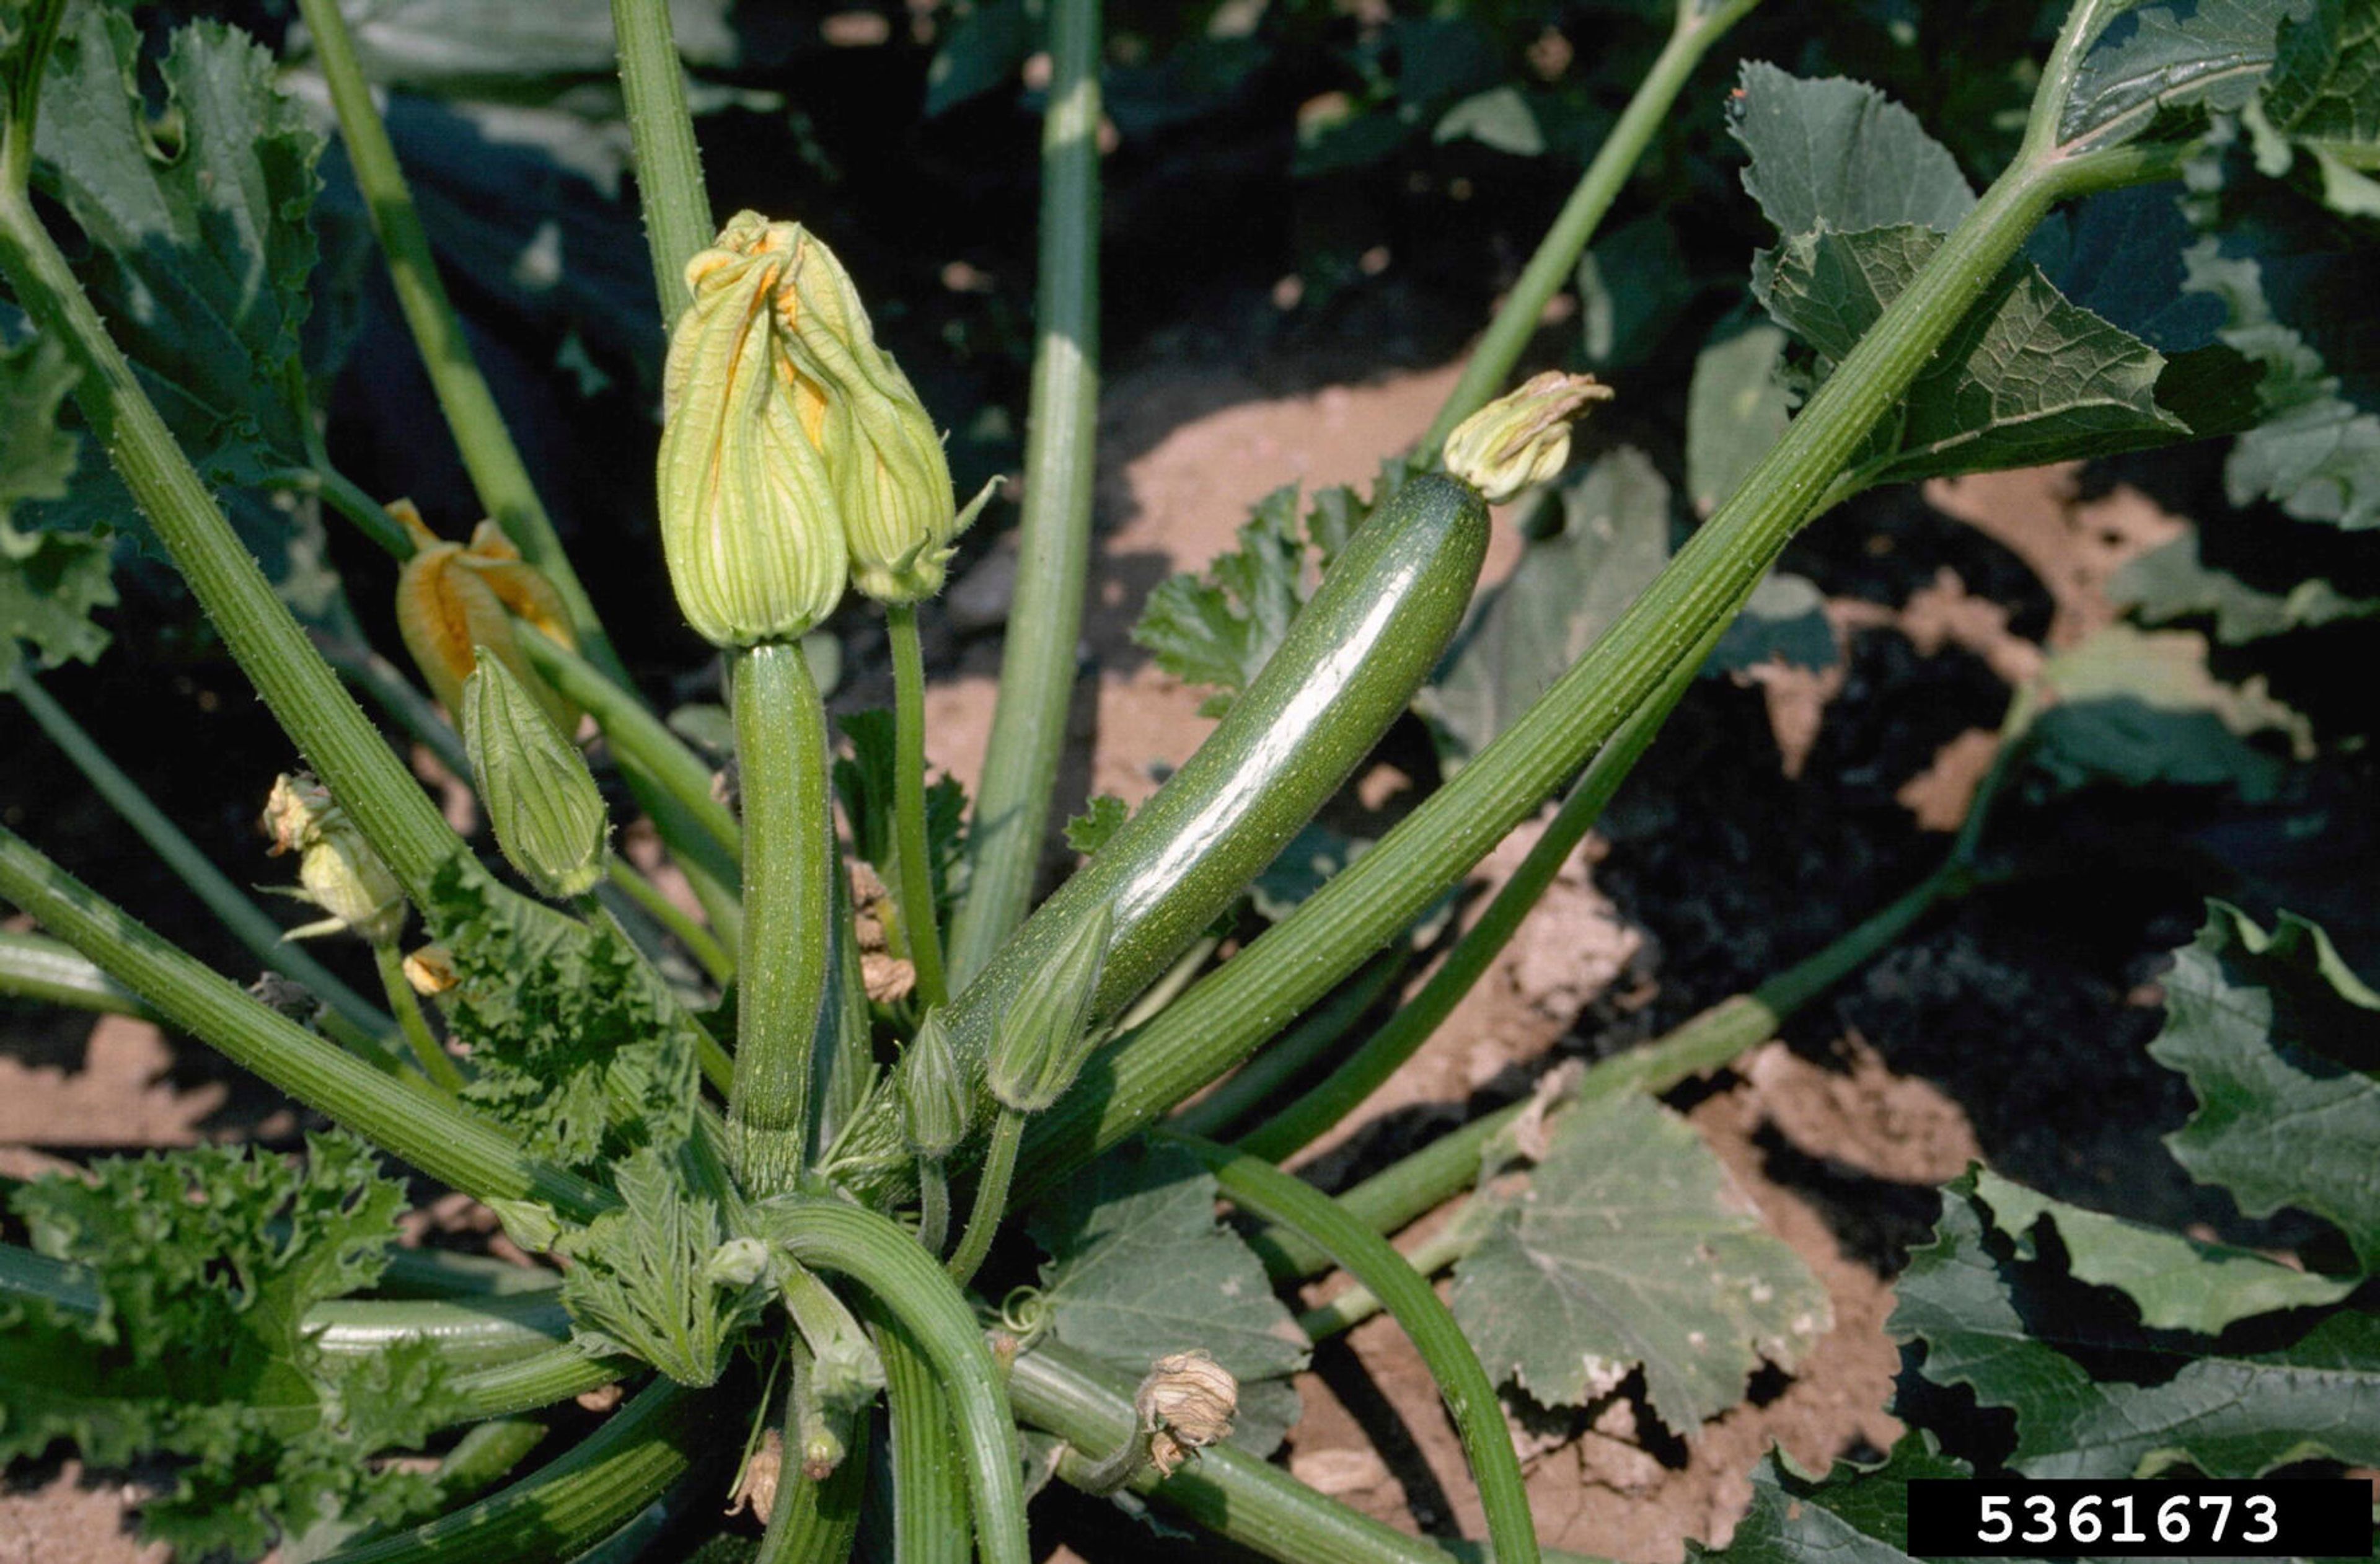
{"x": 751, "y": 526}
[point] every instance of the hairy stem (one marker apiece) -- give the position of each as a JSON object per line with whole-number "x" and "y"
{"x": 489, "y": 455}
{"x": 830, "y": 1235}
{"x": 1261, "y": 1080}
{"x": 43, "y": 970}
{"x": 991, "y": 1196}
{"x": 1037, "y": 666}
{"x": 789, "y": 857}
{"x": 304, "y": 695}
{"x": 1364, "y": 1071}
{"x": 918, "y": 919}
{"x": 408, "y": 1120}
{"x": 1557, "y": 254}
{"x": 669, "y": 165}
{"x": 929, "y": 1497}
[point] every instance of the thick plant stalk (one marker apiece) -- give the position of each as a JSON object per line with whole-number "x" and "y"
{"x": 1248, "y": 998}
{"x": 789, "y": 862}
{"x": 815, "y": 1522}
{"x": 1262, "y": 1189}
{"x": 575, "y": 1501}
{"x": 930, "y": 1497}
{"x": 248, "y": 923}
{"x": 1362, "y": 1072}
{"x": 1261, "y": 1080}
{"x": 408, "y": 1121}
{"x": 669, "y": 165}
{"x": 497, "y": 472}
{"x": 47, "y": 971}
{"x": 305, "y": 696}
{"x": 1698, "y": 27}
{"x": 1036, "y": 665}
{"x": 919, "y": 922}
{"x": 909, "y": 1284}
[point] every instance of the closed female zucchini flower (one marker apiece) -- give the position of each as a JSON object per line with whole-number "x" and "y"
{"x": 751, "y": 526}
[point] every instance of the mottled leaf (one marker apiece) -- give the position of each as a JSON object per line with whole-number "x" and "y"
{"x": 1629, "y": 1248}
{"x": 2324, "y": 97}
{"x": 201, "y": 1265}
{"x": 2280, "y": 1042}
{"x": 1855, "y": 1514}
{"x": 50, "y": 582}
{"x": 2172, "y": 583}
{"x": 2137, "y": 707}
{"x": 2210, "y": 54}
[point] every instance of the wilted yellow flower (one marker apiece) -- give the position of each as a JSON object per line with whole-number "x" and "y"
{"x": 1523, "y": 437}
{"x": 751, "y": 526}
{"x": 430, "y": 971}
{"x": 338, "y": 870}
{"x": 1186, "y": 1404}
{"x": 454, "y": 599}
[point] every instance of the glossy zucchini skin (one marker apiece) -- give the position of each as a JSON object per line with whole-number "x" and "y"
{"x": 1348, "y": 665}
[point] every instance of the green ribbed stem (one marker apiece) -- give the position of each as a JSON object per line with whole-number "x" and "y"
{"x": 1262, "y": 1189}
{"x": 669, "y": 165}
{"x": 1365, "y": 1070}
{"x": 908, "y": 1284}
{"x": 489, "y": 455}
{"x": 815, "y": 1522}
{"x": 408, "y": 1120}
{"x": 49, "y": 973}
{"x": 1397, "y": 1194}
{"x": 1254, "y": 1085}
{"x": 789, "y": 866}
{"x": 346, "y": 752}
{"x": 598, "y": 1487}
{"x": 696, "y": 940}
{"x": 990, "y": 1195}
{"x": 250, "y": 924}
{"x": 919, "y": 921}
{"x": 1053, "y": 536}
{"x": 930, "y": 1495}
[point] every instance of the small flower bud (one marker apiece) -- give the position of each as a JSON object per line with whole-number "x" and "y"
{"x": 430, "y": 971}
{"x": 1038, "y": 1047}
{"x": 454, "y": 602}
{"x": 751, "y": 526}
{"x": 1522, "y": 438}
{"x": 338, "y": 870}
{"x": 548, "y": 815}
{"x": 739, "y": 1262}
{"x": 1186, "y": 1404}
{"x": 756, "y": 1486}
{"x": 935, "y": 1103}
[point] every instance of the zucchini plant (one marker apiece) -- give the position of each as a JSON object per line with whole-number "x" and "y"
{"x": 792, "y": 1163}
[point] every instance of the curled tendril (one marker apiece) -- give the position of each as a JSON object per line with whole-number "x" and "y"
{"x": 1025, "y": 1314}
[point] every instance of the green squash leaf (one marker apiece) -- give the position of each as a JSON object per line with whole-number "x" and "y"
{"x": 1736, "y": 409}
{"x": 2094, "y": 1398}
{"x": 2280, "y": 1042}
{"x": 50, "y": 582}
{"x": 2172, "y": 583}
{"x": 1855, "y": 1514}
{"x": 203, "y": 1264}
{"x": 2154, "y": 59}
{"x": 2179, "y": 1283}
{"x": 1840, "y": 155}
{"x": 637, "y": 1284}
{"x": 2140, "y": 708}
{"x": 1631, "y": 1248}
